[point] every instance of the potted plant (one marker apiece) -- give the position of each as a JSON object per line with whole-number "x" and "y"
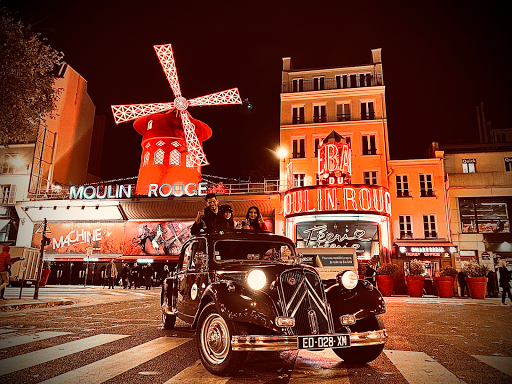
{"x": 385, "y": 276}
{"x": 477, "y": 279}
{"x": 445, "y": 281}
{"x": 45, "y": 273}
{"x": 415, "y": 280}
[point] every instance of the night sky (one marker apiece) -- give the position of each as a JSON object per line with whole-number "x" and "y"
{"x": 440, "y": 60}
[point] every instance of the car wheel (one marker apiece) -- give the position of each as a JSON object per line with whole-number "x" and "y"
{"x": 362, "y": 355}
{"x": 214, "y": 343}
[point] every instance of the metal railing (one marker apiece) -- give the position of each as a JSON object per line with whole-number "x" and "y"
{"x": 336, "y": 118}
{"x": 328, "y": 84}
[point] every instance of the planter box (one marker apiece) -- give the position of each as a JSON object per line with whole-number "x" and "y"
{"x": 385, "y": 284}
{"x": 415, "y": 285}
{"x": 477, "y": 286}
{"x": 444, "y": 285}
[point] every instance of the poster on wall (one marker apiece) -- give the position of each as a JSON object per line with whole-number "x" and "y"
{"x": 155, "y": 238}
{"x": 74, "y": 238}
{"x": 361, "y": 236}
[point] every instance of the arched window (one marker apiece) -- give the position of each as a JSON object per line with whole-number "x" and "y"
{"x": 146, "y": 159}
{"x": 159, "y": 157}
{"x": 175, "y": 157}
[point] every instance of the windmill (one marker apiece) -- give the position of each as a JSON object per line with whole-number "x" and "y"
{"x": 196, "y": 156}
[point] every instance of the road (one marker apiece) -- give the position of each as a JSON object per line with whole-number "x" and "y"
{"x": 116, "y": 336}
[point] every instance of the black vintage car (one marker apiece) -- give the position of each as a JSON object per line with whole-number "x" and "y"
{"x": 248, "y": 291}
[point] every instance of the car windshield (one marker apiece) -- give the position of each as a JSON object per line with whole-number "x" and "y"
{"x": 228, "y": 250}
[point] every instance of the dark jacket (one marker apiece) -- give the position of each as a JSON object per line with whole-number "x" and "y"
{"x": 504, "y": 277}
{"x": 108, "y": 269}
{"x": 207, "y": 223}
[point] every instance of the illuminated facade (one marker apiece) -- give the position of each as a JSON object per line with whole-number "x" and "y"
{"x": 326, "y": 208}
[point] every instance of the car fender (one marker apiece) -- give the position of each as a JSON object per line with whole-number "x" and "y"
{"x": 242, "y": 305}
{"x": 363, "y": 301}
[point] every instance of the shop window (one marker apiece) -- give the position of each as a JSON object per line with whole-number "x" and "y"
{"x": 405, "y": 226}
{"x": 298, "y": 149}
{"x": 318, "y": 83}
{"x": 369, "y": 145}
{"x": 370, "y": 178}
{"x": 298, "y": 115}
{"x": 426, "y": 186}
{"x": 484, "y": 215}
{"x": 159, "y": 157}
{"x": 429, "y": 226}
{"x": 319, "y": 114}
{"x": 402, "y": 186}
{"x": 343, "y": 112}
{"x": 468, "y": 165}
{"x": 367, "y": 111}
{"x": 508, "y": 164}
{"x": 298, "y": 179}
{"x": 298, "y": 85}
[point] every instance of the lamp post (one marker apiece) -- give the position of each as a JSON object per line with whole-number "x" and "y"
{"x": 282, "y": 153}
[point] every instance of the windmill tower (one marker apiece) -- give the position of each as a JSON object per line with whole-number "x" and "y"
{"x": 172, "y": 151}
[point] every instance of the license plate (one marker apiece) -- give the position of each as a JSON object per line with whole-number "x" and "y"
{"x": 323, "y": 341}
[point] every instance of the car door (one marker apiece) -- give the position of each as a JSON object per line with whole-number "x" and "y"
{"x": 195, "y": 277}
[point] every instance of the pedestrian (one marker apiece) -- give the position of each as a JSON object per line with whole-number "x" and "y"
{"x": 504, "y": 283}
{"x": 135, "y": 275}
{"x": 254, "y": 220}
{"x": 111, "y": 272}
{"x": 461, "y": 278}
{"x": 149, "y": 271}
{"x": 164, "y": 274}
{"x": 205, "y": 219}
{"x": 491, "y": 284}
{"x": 125, "y": 275}
{"x": 224, "y": 220}
{"x": 5, "y": 262}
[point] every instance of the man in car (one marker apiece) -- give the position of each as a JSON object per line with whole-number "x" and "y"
{"x": 205, "y": 220}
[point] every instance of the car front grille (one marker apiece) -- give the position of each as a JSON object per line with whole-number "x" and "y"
{"x": 302, "y": 296}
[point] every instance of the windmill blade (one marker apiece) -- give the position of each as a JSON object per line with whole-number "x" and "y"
{"x": 230, "y": 96}
{"x": 195, "y": 152}
{"x": 166, "y": 57}
{"x": 129, "y": 112}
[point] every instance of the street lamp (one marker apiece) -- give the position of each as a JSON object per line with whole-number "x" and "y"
{"x": 282, "y": 153}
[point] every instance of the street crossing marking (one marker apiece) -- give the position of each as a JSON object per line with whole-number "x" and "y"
{"x": 501, "y": 363}
{"x": 19, "y": 340}
{"x": 318, "y": 367}
{"x": 196, "y": 373}
{"x": 6, "y": 330}
{"x": 105, "y": 369}
{"x": 420, "y": 368}
{"x": 30, "y": 359}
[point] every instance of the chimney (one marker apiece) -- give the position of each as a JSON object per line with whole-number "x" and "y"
{"x": 287, "y": 64}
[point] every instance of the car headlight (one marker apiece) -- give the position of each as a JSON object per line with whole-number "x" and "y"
{"x": 256, "y": 279}
{"x": 347, "y": 279}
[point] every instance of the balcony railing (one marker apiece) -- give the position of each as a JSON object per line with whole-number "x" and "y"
{"x": 330, "y": 119}
{"x": 328, "y": 84}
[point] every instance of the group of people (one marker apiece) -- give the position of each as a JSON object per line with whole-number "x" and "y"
{"x": 134, "y": 276}
{"x": 215, "y": 218}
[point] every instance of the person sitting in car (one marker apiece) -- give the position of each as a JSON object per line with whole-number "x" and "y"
{"x": 205, "y": 220}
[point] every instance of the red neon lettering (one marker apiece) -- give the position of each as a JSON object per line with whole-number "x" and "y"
{"x": 365, "y": 200}
{"x": 387, "y": 198}
{"x": 378, "y": 200}
{"x": 306, "y": 202}
{"x": 330, "y": 199}
{"x": 287, "y": 204}
{"x": 350, "y": 195}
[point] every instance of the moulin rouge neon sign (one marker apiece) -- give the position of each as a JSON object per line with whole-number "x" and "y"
{"x": 344, "y": 198}
{"x": 334, "y": 163}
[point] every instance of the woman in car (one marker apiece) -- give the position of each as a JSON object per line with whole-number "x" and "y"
{"x": 224, "y": 220}
{"x": 254, "y": 220}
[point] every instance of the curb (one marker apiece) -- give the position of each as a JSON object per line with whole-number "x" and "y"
{"x": 17, "y": 306}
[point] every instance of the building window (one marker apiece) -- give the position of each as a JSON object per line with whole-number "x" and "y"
{"x": 298, "y": 149}
{"x": 426, "y": 188}
{"x": 508, "y": 164}
{"x": 319, "y": 114}
{"x": 341, "y": 81}
{"x": 159, "y": 157}
{"x": 317, "y": 179}
{"x": 353, "y": 81}
{"x": 146, "y": 159}
{"x": 317, "y": 144}
{"x": 8, "y": 194}
{"x": 405, "y": 226}
{"x": 150, "y": 124}
{"x": 367, "y": 111}
{"x": 369, "y": 145}
{"x": 4, "y": 232}
{"x": 298, "y": 179}
{"x": 318, "y": 83}
{"x": 429, "y": 226}
{"x": 370, "y": 178}
{"x": 175, "y": 157}
{"x": 10, "y": 163}
{"x": 402, "y": 186}
{"x": 484, "y": 215}
{"x": 298, "y": 115}
{"x": 468, "y": 165}
{"x": 343, "y": 112}
{"x": 298, "y": 85}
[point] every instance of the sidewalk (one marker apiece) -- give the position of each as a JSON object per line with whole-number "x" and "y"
{"x": 60, "y": 295}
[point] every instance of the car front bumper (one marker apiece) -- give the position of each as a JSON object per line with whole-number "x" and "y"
{"x": 285, "y": 343}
